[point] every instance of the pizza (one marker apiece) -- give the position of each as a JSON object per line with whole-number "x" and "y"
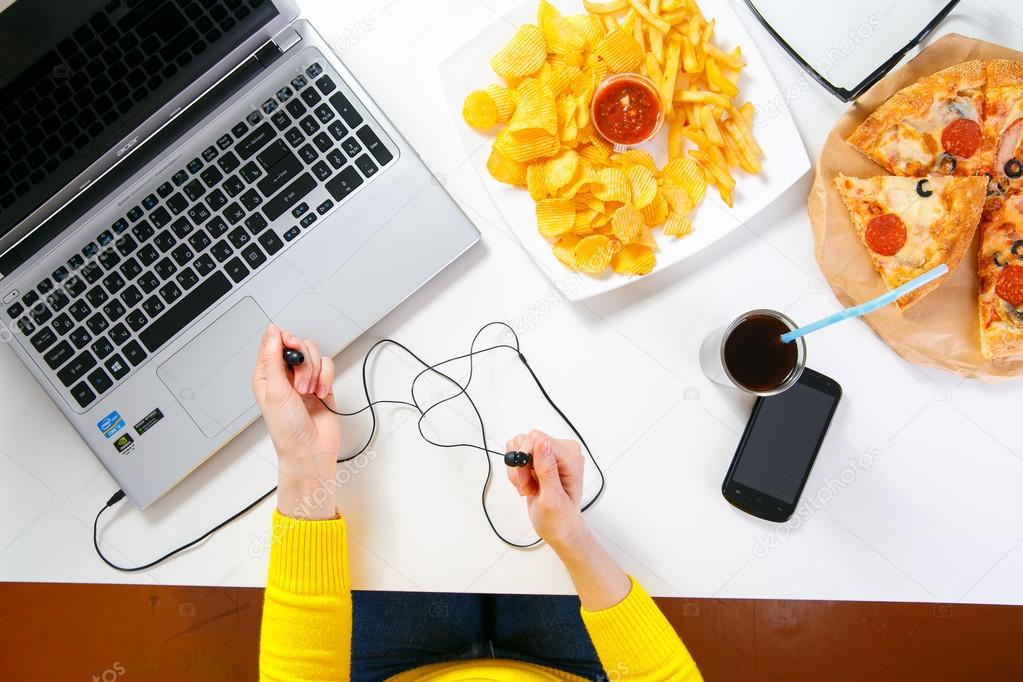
{"x": 934, "y": 126}
{"x": 1003, "y": 123}
{"x": 1000, "y": 268}
{"x": 911, "y": 225}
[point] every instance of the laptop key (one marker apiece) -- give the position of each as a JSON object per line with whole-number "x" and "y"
{"x": 44, "y": 339}
{"x": 165, "y": 268}
{"x": 295, "y": 108}
{"x": 289, "y": 196}
{"x": 92, "y": 272}
{"x": 351, "y": 146}
{"x": 79, "y": 337}
{"x": 211, "y": 176}
{"x": 308, "y": 154}
{"x": 177, "y": 203}
{"x": 300, "y": 210}
{"x": 186, "y": 278}
{"x": 199, "y": 241}
{"x": 228, "y": 162}
{"x": 336, "y": 158}
{"x": 125, "y": 245}
{"x": 298, "y": 82}
{"x": 337, "y": 130}
{"x": 314, "y": 70}
{"x": 96, "y": 296}
{"x": 79, "y": 310}
{"x": 180, "y": 178}
{"x": 224, "y": 141}
{"x": 194, "y": 166}
{"x": 31, "y": 297}
{"x": 39, "y": 314}
{"x": 308, "y": 220}
{"x": 143, "y": 231}
{"x": 182, "y": 254}
{"x": 233, "y": 186}
{"x": 321, "y": 170}
{"x": 322, "y": 142}
{"x": 82, "y": 394}
{"x": 344, "y": 183}
{"x": 100, "y": 381}
{"x": 191, "y": 306}
{"x": 236, "y": 269}
{"x": 116, "y": 366}
{"x": 149, "y": 203}
{"x": 160, "y": 216}
{"x": 309, "y": 125}
{"x": 366, "y": 165}
{"x": 271, "y": 242}
{"x": 62, "y": 324}
{"x": 58, "y": 355}
{"x": 238, "y": 237}
{"x": 119, "y": 334}
{"x": 133, "y": 351}
{"x": 325, "y": 206}
{"x": 286, "y": 169}
{"x": 130, "y": 268}
{"x": 326, "y": 85}
{"x": 216, "y": 200}
{"x": 164, "y": 241}
{"x": 280, "y": 120}
{"x": 98, "y": 324}
{"x": 250, "y": 200}
{"x": 26, "y": 326}
{"x": 204, "y": 264}
{"x": 291, "y": 233}
{"x": 15, "y": 310}
{"x": 129, "y": 297}
{"x": 102, "y": 347}
{"x": 134, "y": 213}
{"x": 254, "y": 256}
{"x": 255, "y": 141}
{"x": 170, "y": 292}
{"x": 345, "y": 108}
{"x": 108, "y": 258}
{"x": 239, "y": 129}
{"x": 153, "y": 306}
{"x": 193, "y": 190}
{"x": 221, "y": 251}
{"x": 324, "y": 113}
{"x": 147, "y": 255}
{"x": 256, "y": 223}
{"x": 76, "y": 368}
{"x": 45, "y": 286}
{"x": 113, "y": 282}
{"x": 105, "y": 237}
{"x": 165, "y": 190}
{"x": 148, "y": 282}
{"x": 60, "y": 274}
{"x": 57, "y": 300}
{"x": 250, "y": 172}
{"x": 310, "y": 96}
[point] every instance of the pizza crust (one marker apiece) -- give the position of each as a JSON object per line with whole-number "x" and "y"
{"x": 1003, "y": 73}
{"x": 1004, "y": 336}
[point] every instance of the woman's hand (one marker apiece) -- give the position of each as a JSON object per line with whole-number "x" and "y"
{"x": 306, "y": 435}
{"x": 552, "y": 485}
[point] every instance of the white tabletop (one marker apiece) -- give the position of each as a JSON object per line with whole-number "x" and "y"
{"x": 914, "y": 495}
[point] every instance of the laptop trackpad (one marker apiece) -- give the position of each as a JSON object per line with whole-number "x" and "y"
{"x": 212, "y": 375}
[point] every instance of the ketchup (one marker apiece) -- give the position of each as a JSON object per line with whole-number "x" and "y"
{"x": 627, "y": 110}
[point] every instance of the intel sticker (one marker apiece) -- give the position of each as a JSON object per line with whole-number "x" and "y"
{"x": 110, "y": 424}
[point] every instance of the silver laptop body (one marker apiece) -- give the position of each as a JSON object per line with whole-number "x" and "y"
{"x": 141, "y": 316}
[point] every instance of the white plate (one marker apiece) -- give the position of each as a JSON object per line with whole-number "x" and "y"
{"x": 784, "y": 162}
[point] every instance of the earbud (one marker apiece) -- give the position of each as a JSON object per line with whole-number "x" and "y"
{"x": 517, "y": 459}
{"x": 293, "y": 357}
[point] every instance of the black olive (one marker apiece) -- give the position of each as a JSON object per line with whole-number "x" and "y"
{"x": 998, "y": 260}
{"x": 1017, "y": 248}
{"x": 1013, "y": 168}
{"x": 920, "y": 189}
{"x": 946, "y": 163}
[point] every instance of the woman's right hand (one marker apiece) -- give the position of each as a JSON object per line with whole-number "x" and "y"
{"x": 552, "y": 486}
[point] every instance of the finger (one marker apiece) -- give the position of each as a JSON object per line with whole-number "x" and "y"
{"x": 325, "y": 384}
{"x": 571, "y": 465}
{"x": 300, "y": 373}
{"x": 270, "y": 368}
{"x": 545, "y": 466}
{"x": 520, "y": 477}
{"x": 315, "y": 363}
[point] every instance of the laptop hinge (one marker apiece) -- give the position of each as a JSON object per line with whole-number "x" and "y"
{"x": 287, "y": 39}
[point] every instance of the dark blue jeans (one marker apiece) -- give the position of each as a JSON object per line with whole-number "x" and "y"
{"x": 397, "y": 631}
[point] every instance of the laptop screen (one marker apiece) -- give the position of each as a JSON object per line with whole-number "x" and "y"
{"x": 77, "y": 77}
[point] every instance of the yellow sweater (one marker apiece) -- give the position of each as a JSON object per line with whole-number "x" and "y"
{"x": 307, "y": 623}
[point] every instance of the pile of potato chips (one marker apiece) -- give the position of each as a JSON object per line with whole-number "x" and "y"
{"x": 596, "y": 205}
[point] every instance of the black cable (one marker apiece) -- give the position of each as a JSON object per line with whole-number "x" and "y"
{"x": 463, "y": 389}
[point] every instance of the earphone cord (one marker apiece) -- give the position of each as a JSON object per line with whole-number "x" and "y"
{"x": 463, "y": 389}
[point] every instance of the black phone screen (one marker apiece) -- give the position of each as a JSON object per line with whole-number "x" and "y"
{"x": 783, "y": 439}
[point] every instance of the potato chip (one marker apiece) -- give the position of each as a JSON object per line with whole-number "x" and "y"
{"x": 593, "y": 254}
{"x": 686, "y": 173}
{"x": 536, "y": 109}
{"x": 506, "y": 170}
{"x": 626, "y": 223}
{"x": 526, "y": 146}
{"x": 620, "y": 50}
{"x": 643, "y": 185}
{"x": 559, "y": 170}
{"x": 524, "y": 54}
{"x": 504, "y": 99}
{"x": 635, "y": 157}
{"x": 614, "y": 185}
{"x": 561, "y": 76}
{"x": 536, "y": 182}
{"x": 479, "y": 110}
{"x": 656, "y": 211}
{"x": 555, "y": 217}
{"x": 678, "y": 199}
{"x": 634, "y": 259}
{"x": 589, "y": 27}
{"x": 677, "y": 225}
{"x": 564, "y": 249}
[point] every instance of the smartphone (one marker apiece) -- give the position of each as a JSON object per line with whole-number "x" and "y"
{"x": 779, "y": 446}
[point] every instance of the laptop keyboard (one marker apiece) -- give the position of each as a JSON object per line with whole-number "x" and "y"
{"x": 199, "y": 232}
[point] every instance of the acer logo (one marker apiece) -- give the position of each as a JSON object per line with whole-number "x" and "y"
{"x": 124, "y": 150}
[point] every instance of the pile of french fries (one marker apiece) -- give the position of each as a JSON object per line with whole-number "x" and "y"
{"x": 697, "y": 81}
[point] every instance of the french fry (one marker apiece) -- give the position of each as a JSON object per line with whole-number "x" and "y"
{"x": 676, "y": 141}
{"x": 704, "y": 97}
{"x": 649, "y": 16}
{"x": 656, "y": 37}
{"x": 653, "y": 69}
{"x": 695, "y": 135}
{"x": 605, "y": 7}
{"x": 718, "y": 81}
{"x": 671, "y": 61}
{"x": 723, "y": 58}
{"x": 637, "y": 30}
{"x": 743, "y": 125}
{"x": 610, "y": 22}
{"x": 709, "y": 124}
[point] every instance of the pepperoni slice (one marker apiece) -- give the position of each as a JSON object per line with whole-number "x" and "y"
{"x": 961, "y": 137}
{"x": 886, "y": 234}
{"x": 1010, "y": 285}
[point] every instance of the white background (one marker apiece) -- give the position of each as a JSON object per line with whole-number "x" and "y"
{"x": 914, "y": 496}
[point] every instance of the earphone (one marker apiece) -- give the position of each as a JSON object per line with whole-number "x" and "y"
{"x": 515, "y": 459}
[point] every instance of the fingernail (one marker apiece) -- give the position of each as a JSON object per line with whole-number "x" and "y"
{"x": 545, "y": 447}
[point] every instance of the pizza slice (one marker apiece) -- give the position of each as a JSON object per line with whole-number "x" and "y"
{"x": 933, "y": 126}
{"x": 910, "y": 225}
{"x": 1003, "y": 123}
{"x": 1000, "y": 267}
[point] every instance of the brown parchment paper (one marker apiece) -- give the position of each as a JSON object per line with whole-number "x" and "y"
{"x": 941, "y": 329}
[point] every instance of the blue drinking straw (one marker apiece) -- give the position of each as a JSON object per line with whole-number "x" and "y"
{"x": 869, "y": 306}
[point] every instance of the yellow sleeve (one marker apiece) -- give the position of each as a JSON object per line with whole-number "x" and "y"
{"x": 307, "y": 609}
{"x": 636, "y": 642}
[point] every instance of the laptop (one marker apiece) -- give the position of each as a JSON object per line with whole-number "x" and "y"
{"x": 174, "y": 176}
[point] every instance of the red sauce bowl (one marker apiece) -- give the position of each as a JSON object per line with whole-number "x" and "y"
{"x": 627, "y": 109}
